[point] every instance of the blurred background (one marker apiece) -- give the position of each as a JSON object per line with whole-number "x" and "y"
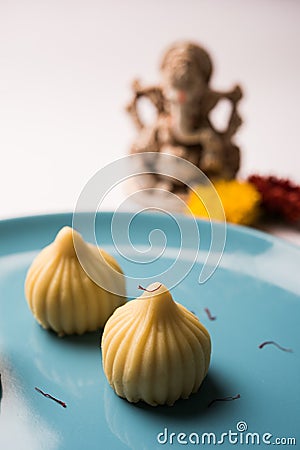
{"x": 66, "y": 67}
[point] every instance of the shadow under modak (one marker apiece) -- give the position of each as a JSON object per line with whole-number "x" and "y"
{"x": 137, "y": 424}
{"x": 196, "y": 405}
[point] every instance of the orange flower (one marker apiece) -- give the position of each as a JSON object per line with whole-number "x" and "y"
{"x": 240, "y": 201}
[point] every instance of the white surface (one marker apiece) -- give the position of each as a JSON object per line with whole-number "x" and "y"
{"x": 65, "y": 73}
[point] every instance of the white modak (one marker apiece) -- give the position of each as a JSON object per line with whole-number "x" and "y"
{"x": 154, "y": 349}
{"x": 62, "y": 296}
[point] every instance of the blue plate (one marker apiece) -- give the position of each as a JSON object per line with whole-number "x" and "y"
{"x": 254, "y": 295}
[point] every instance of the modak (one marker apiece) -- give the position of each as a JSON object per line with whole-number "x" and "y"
{"x": 61, "y": 294}
{"x": 154, "y": 349}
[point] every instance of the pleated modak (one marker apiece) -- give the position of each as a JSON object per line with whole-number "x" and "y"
{"x": 60, "y": 293}
{"x": 154, "y": 349}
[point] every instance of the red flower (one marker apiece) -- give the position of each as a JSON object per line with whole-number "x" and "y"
{"x": 280, "y": 197}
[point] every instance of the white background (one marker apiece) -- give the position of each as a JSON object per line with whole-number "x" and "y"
{"x": 65, "y": 73}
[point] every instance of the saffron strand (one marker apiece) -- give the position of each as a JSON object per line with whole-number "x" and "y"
{"x": 60, "y": 402}
{"x": 224, "y": 399}
{"x": 284, "y": 349}
{"x": 209, "y": 315}
{"x": 147, "y": 290}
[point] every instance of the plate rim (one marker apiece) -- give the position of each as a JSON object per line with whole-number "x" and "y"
{"x": 240, "y": 229}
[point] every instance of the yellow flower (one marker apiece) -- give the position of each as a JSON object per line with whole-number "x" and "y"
{"x": 240, "y": 201}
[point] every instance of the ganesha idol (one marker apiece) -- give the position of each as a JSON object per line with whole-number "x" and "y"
{"x": 183, "y": 127}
